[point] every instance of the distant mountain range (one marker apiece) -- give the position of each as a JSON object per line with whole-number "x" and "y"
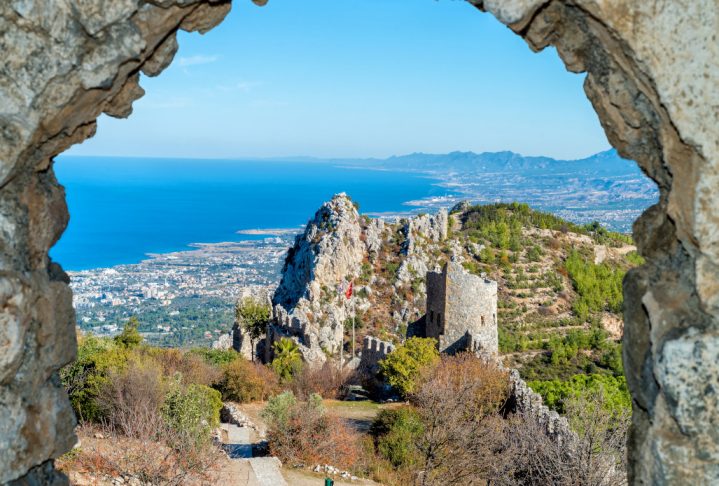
{"x": 603, "y": 187}
{"x": 607, "y": 162}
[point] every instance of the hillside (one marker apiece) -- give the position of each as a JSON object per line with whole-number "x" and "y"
{"x": 209, "y": 416}
{"x": 559, "y": 283}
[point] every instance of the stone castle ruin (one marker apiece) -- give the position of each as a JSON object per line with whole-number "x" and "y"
{"x": 651, "y": 75}
{"x": 373, "y": 351}
{"x": 461, "y": 311}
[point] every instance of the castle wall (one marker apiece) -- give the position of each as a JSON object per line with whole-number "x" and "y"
{"x": 525, "y": 401}
{"x": 434, "y": 318}
{"x": 462, "y": 311}
{"x": 373, "y": 351}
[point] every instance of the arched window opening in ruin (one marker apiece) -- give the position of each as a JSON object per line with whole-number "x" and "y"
{"x": 651, "y": 77}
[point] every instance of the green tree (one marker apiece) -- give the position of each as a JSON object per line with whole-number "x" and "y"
{"x": 130, "y": 337}
{"x": 252, "y": 315}
{"x": 402, "y": 367}
{"x": 288, "y": 360}
{"x": 88, "y": 374}
{"x": 558, "y": 393}
{"x": 192, "y": 412}
{"x": 396, "y": 432}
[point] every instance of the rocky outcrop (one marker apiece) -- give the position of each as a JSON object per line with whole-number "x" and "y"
{"x": 424, "y": 227}
{"x": 523, "y": 400}
{"x": 375, "y": 236}
{"x": 420, "y": 231}
{"x": 224, "y": 342}
{"x": 308, "y": 303}
{"x": 652, "y": 74}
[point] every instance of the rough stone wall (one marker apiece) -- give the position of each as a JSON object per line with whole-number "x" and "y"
{"x": 523, "y": 400}
{"x": 373, "y": 351}
{"x": 62, "y": 64}
{"x": 433, "y": 320}
{"x": 462, "y": 311}
{"x": 652, "y": 75}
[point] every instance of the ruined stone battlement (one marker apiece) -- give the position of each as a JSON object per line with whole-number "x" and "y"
{"x": 373, "y": 351}
{"x": 462, "y": 311}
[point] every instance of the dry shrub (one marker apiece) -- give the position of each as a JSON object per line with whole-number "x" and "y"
{"x": 479, "y": 386}
{"x": 244, "y": 381}
{"x": 302, "y": 433}
{"x": 132, "y": 397}
{"x": 327, "y": 381}
{"x": 458, "y": 402}
{"x": 159, "y": 463}
{"x": 150, "y": 461}
{"x": 191, "y": 366}
{"x": 595, "y": 457}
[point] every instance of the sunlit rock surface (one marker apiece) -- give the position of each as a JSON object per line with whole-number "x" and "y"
{"x": 652, "y": 78}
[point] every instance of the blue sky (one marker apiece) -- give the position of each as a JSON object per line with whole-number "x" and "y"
{"x": 355, "y": 78}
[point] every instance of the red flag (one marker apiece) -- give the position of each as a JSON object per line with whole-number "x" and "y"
{"x": 348, "y": 293}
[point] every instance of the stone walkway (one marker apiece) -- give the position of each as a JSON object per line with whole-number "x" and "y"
{"x": 248, "y": 470}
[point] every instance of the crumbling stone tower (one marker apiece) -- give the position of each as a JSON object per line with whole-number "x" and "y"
{"x": 462, "y": 311}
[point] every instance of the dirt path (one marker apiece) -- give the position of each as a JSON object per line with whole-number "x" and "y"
{"x": 302, "y": 477}
{"x": 359, "y": 415}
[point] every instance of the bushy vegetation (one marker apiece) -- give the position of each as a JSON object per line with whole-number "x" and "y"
{"x": 90, "y": 372}
{"x": 215, "y": 357}
{"x": 253, "y": 316}
{"x": 557, "y": 393}
{"x": 192, "y": 412}
{"x": 402, "y": 367}
{"x": 170, "y": 397}
{"x": 243, "y": 381}
{"x": 454, "y": 431}
{"x": 327, "y": 381}
{"x": 288, "y": 360}
{"x": 501, "y": 223}
{"x": 561, "y": 346}
{"x": 599, "y": 285}
{"x": 396, "y": 433}
{"x": 302, "y": 432}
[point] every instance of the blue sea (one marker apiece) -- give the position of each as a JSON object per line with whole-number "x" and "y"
{"x": 121, "y": 208}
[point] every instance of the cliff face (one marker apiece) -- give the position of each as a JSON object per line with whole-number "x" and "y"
{"x": 329, "y": 250}
{"x": 381, "y": 259}
{"x": 323, "y": 259}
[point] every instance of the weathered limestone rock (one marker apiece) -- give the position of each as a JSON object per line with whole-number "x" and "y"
{"x": 307, "y": 302}
{"x": 652, "y": 76}
{"x": 63, "y": 63}
{"x": 420, "y": 230}
{"x": 224, "y": 342}
{"x": 374, "y": 236}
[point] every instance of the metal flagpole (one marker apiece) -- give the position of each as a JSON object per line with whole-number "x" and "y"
{"x": 342, "y": 343}
{"x": 353, "y": 328}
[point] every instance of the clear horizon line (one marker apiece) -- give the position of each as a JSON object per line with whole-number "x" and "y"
{"x": 324, "y": 159}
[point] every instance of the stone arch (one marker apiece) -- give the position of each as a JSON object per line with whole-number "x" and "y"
{"x": 652, "y": 74}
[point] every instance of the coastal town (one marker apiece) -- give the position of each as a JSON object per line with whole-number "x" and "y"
{"x": 184, "y": 297}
